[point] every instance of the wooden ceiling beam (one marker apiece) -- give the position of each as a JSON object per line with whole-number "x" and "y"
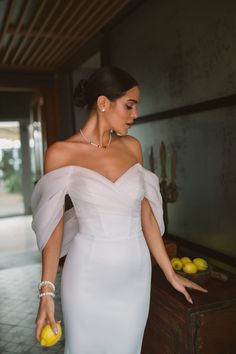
{"x": 91, "y": 30}
{"x": 43, "y": 45}
{"x": 21, "y": 68}
{"x": 77, "y": 28}
{"x": 55, "y": 44}
{"x": 21, "y": 19}
{"x": 54, "y": 36}
{"x": 33, "y": 22}
{"x": 44, "y": 24}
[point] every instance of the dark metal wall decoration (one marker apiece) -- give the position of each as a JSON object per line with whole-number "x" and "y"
{"x": 169, "y": 191}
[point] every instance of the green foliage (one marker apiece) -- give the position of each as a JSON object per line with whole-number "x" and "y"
{"x": 13, "y": 183}
{"x": 12, "y": 178}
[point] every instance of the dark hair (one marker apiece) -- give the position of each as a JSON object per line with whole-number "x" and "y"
{"x": 108, "y": 81}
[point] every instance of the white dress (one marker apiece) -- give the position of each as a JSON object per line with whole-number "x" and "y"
{"x": 106, "y": 278}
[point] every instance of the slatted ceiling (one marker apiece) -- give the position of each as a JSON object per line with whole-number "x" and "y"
{"x": 5, "y": 23}
{"x": 73, "y": 21}
{"x": 27, "y": 33}
{"x": 44, "y": 34}
{"x": 81, "y": 25}
{"x": 13, "y": 38}
{"x": 88, "y": 33}
{"x": 7, "y": 17}
{"x": 34, "y": 41}
{"x": 41, "y": 47}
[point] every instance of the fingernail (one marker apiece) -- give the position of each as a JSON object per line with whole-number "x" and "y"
{"x": 190, "y": 300}
{"x": 55, "y": 330}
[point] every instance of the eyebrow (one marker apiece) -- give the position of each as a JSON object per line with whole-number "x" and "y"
{"x": 131, "y": 99}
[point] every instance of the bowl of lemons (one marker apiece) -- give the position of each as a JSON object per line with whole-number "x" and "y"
{"x": 196, "y": 269}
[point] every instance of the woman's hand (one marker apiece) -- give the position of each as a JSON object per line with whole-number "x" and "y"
{"x": 180, "y": 283}
{"x": 45, "y": 315}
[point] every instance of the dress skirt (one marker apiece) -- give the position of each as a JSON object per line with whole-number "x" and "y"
{"x": 105, "y": 293}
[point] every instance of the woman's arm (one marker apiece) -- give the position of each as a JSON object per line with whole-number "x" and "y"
{"x": 155, "y": 242}
{"x": 50, "y": 260}
{"x": 50, "y": 252}
{"x": 156, "y": 245}
{"x": 154, "y": 239}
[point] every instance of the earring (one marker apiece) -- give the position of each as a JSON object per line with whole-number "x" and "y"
{"x": 103, "y": 109}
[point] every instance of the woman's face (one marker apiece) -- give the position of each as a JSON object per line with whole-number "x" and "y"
{"x": 123, "y": 111}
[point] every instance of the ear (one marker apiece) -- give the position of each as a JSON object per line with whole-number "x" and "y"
{"x": 103, "y": 103}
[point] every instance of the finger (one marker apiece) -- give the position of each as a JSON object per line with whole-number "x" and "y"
{"x": 53, "y": 323}
{"x": 38, "y": 329}
{"x": 198, "y": 287}
{"x": 187, "y": 296}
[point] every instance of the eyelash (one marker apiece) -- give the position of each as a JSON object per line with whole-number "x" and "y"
{"x": 129, "y": 107}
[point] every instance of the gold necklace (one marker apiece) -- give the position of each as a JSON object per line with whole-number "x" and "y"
{"x": 97, "y": 145}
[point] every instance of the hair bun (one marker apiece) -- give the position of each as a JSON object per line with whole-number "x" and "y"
{"x": 80, "y": 97}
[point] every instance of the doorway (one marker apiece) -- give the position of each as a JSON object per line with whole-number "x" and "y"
{"x": 22, "y": 144}
{"x": 11, "y": 192}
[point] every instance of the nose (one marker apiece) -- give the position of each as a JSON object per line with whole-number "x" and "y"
{"x": 134, "y": 112}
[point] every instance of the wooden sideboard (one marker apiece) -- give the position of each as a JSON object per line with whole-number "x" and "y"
{"x": 176, "y": 327}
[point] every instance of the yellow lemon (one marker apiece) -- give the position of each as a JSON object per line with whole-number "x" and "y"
{"x": 48, "y": 337}
{"x": 190, "y": 268}
{"x": 176, "y": 263}
{"x": 200, "y": 263}
{"x": 185, "y": 260}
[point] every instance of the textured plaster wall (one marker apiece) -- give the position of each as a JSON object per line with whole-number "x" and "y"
{"x": 206, "y": 174}
{"x": 183, "y": 52}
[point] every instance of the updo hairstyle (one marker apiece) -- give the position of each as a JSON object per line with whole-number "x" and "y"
{"x": 108, "y": 81}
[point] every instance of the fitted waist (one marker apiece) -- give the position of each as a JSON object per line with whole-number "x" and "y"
{"x": 97, "y": 238}
{"x": 111, "y": 226}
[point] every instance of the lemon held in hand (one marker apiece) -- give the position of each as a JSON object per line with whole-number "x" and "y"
{"x": 48, "y": 337}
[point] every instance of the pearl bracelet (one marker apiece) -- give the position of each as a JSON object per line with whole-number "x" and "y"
{"x": 47, "y": 293}
{"x": 46, "y": 282}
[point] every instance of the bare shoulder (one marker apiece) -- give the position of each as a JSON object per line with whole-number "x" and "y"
{"x": 134, "y": 145}
{"x": 56, "y": 156}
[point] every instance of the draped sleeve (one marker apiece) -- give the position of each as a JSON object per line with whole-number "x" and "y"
{"x": 152, "y": 193}
{"x": 47, "y": 204}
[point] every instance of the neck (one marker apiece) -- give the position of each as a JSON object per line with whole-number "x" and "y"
{"x": 96, "y": 129}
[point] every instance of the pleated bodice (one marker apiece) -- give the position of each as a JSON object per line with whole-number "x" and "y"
{"x": 101, "y": 208}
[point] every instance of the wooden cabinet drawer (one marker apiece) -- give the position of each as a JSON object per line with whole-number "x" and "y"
{"x": 176, "y": 327}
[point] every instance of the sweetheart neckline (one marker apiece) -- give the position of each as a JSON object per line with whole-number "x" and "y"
{"x": 104, "y": 177}
{"x": 95, "y": 172}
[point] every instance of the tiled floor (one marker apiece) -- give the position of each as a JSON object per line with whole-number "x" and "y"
{"x": 16, "y": 234}
{"x": 18, "y": 310}
{"x": 19, "y": 277}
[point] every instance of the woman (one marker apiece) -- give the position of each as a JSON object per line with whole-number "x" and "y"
{"x": 115, "y": 220}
